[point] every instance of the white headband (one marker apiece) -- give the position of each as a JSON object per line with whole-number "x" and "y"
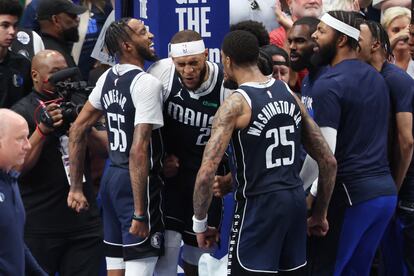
{"x": 340, "y": 26}
{"x": 187, "y": 48}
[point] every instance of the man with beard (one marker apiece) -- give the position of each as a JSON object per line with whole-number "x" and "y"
{"x": 398, "y": 243}
{"x": 269, "y": 225}
{"x": 193, "y": 91}
{"x": 62, "y": 241}
{"x": 130, "y": 100}
{"x": 58, "y": 20}
{"x": 301, "y": 47}
{"x": 351, "y": 105}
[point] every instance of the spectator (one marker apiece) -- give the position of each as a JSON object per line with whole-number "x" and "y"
{"x": 280, "y": 62}
{"x": 15, "y": 80}
{"x": 15, "y": 257}
{"x": 254, "y": 27}
{"x": 297, "y": 9}
{"x": 59, "y": 23}
{"x": 61, "y": 240}
{"x": 396, "y": 22}
{"x": 90, "y": 26}
{"x": 383, "y": 5}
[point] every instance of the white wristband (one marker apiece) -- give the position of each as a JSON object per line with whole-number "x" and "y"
{"x": 200, "y": 226}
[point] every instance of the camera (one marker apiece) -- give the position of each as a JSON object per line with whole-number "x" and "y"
{"x": 73, "y": 94}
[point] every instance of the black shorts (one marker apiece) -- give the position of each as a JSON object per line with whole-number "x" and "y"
{"x": 118, "y": 208}
{"x": 179, "y": 210}
{"x": 268, "y": 234}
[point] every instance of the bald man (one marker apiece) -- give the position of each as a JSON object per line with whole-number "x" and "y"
{"x": 15, "y": 258}
{"x": 61, "y": 240}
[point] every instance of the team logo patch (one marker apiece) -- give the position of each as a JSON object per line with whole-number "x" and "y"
{"x": 17, "y": 80}
{"x": 156, "y": 240}
{"x": 2, "y": 197}
{"x": 23, "y": 37}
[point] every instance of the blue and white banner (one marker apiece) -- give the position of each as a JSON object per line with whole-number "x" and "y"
{"x": 210, "y": 18}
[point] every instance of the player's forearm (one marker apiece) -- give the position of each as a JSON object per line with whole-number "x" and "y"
{"x": 139, "y": 169}
{"x": 326, "y": 182}
{"x": 78, "y": 140}
{"x": 139, "y": 166}
{"x": 203, "y": 190}
{"x": 404, "y": 152}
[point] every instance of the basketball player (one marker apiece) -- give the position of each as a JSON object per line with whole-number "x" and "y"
{"x": 264, "y": 120}
{"x": 351, "y": 106}
{"x": 130, "y": 99}
{"x": 193, "y": 91}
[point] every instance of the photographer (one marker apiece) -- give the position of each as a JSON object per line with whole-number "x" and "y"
{"x": 61, "y": 240}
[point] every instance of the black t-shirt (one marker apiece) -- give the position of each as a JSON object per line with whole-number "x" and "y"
{"x": 45, "y": 187}
{"x": 63, "y": 47}
{"x": 15, "y": 79}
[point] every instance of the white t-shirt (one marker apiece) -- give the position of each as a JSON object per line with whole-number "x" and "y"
{"x": 146, "y": 94}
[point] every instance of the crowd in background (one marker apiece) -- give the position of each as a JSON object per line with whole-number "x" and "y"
{"x": 41, "y": 37}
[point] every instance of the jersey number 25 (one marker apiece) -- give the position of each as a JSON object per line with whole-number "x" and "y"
{"x": 280, "y": 138}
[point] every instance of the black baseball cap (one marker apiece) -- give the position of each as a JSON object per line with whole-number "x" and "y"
{"x": 47, "y": 8}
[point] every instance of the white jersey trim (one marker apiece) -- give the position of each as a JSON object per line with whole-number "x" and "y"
{"x": 245, "y": 96}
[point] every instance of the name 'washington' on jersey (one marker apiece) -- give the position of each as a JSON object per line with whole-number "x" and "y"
{"x": 267, "y": 151}
{"x": 117, "y": 101}
{"x": 189, "y": 116}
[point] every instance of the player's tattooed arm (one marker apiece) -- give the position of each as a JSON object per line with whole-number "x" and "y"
{"x": 317, "y": 147}
{"x": 139, "y": 165}
{"x": 224, "y": 123}
{"x": 78, "y": 139}
{"x": 138, "y": 171}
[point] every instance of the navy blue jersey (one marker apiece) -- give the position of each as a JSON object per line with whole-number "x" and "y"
{"x": 401, "y": 87}
{"x": 353, "y": 98}
{"x": 117, "y": 103}
{"x": 267, "y": 151}
{"x": 188, "y": 119}
{"x": 307, "y": 87}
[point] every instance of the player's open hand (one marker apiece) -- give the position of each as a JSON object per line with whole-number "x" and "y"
{"x": 77, "y": 200}
{"x": 139, "y": 228}
{"x": 170, "y": 165}
{"x": 317, "y": 226}
{"x": 208, "y": 238}
{"x": 222, "y": 185}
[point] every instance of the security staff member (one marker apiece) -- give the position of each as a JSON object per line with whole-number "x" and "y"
{"x": 15, "y": 80}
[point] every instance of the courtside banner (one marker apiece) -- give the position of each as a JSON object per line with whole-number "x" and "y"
{"x": 164, "y": 18}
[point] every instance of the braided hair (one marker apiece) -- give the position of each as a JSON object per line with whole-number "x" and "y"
{"x": 117, "y": 33}
{"x": 352, "y": 19}
{"x": 379, "y": 34}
